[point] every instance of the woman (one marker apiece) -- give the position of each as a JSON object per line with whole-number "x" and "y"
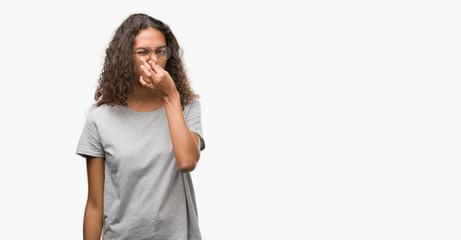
{"x": 141, "y": 139}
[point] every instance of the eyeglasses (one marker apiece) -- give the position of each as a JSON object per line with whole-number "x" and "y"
{"x": 163, "y": 53}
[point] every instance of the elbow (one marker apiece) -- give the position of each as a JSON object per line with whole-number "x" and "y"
{"x": 189, "y": 167}
{"x": 97, "y": 205}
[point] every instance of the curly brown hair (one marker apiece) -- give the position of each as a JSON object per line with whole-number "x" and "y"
{"x": 118, "y": 74}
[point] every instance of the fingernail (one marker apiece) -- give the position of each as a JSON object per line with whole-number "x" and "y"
{"x": 142, "y": 59}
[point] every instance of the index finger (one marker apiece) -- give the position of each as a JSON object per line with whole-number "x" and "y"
{"x": 155, "y": 66}
{"x": 144, "y": 62}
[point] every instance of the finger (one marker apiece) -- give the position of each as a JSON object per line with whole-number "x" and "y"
{"x": 144, "y": 82}
{"x": 146, "y": 71}
{"x": 147, "y": 66}
{"x": 141, "y": 80}
{"x": 160, "y": 73}
{"x": 155, "y": 67}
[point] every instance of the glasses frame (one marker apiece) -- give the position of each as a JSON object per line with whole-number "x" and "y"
{"x": 151, "y": 50}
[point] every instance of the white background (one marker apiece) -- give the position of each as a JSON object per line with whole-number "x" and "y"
{"x": 322, "y": 119}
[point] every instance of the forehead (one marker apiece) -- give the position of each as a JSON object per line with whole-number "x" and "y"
{"x": 149, "y": 37}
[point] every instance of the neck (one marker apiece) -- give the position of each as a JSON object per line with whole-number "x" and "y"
{"x": 140, "y": 95}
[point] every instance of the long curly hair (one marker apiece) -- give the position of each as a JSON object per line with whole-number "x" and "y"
{"x": 118, "y": 73}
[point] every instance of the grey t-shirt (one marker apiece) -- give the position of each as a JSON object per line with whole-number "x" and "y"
{"x": 145, "y": 195}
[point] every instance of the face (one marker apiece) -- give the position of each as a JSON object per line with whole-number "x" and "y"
{"x": 151, "y": 38}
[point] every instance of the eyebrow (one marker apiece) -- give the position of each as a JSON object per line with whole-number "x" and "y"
{"x": 151, "y": 47}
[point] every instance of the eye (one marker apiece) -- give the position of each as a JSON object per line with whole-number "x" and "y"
{"x": 142, "y": 51}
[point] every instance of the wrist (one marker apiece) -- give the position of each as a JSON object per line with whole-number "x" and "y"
{"x": 172, "y": 99}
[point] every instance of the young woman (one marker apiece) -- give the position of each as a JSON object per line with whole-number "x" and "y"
{"x": 141, "y": 139}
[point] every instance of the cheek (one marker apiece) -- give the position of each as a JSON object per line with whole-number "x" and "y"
{"x": 137, "y": 66}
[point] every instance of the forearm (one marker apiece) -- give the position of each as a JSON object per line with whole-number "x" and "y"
{"x": 92, "y": 223}
{"x": 184, "y": 146}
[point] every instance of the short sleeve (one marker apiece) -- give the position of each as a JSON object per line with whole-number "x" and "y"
{"x": 89, "y": 143}
{"x": 194, "y": 121}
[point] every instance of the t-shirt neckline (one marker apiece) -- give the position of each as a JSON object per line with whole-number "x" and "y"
{"x": 144, "y": 113}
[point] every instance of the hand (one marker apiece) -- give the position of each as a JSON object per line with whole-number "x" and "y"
{"x": 157, "y": 79}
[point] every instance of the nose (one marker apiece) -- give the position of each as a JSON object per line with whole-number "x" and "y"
{"x": 153, "y": 57}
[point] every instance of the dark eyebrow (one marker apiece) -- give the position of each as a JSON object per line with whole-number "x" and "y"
{"x": 153, "y": 48}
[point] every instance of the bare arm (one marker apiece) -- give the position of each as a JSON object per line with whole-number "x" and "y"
{"x": 92, "y": 222}
{"x": 185, "y": 143}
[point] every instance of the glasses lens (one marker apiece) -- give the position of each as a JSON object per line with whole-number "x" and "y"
{"x": 164, "y": 53}
{"x": 143, "y": 52}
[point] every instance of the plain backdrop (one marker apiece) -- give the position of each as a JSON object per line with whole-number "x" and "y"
{"x": 322, "y": 119}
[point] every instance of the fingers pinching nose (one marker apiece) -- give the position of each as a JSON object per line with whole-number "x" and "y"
{"x": 144, "y": 60}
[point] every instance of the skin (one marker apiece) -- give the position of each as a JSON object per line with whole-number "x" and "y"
{"x": 92, "y": 222}
{"x": 155, "y": 89}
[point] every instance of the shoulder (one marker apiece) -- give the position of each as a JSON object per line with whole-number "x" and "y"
{"x": 96, "y": 112}
{"x": 193, "y": 104}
